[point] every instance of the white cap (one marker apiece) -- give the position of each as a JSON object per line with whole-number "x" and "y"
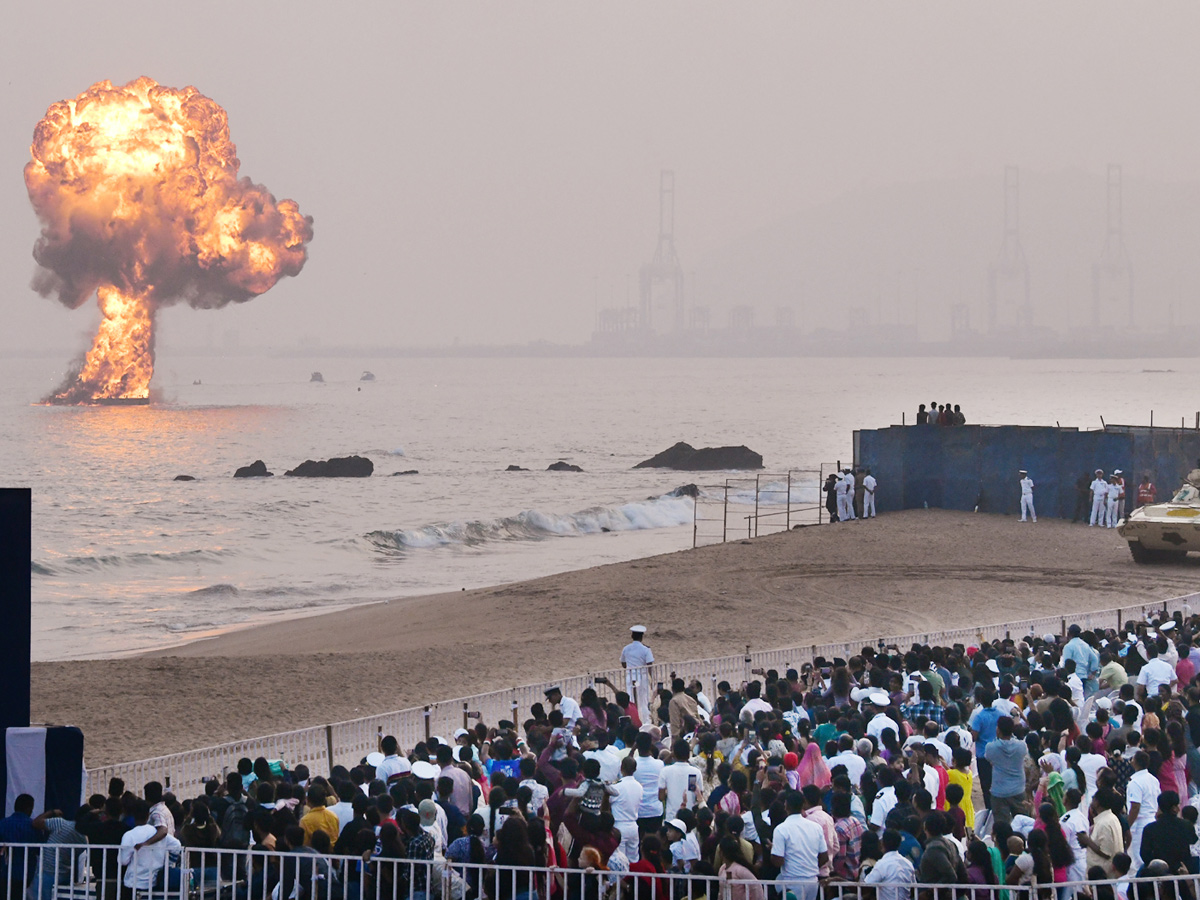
{"x": 678, "y": 824}
{"x": 993, "y": 666}
{"x": 638, "y": 629}
{"x": 858, "y": 694}
{"x": 1104, "y": 703}
{"x": 880, "y": 698}
{"x": 1167, "y": 625}
{"x": 424, "y": 770}
{"x": 461, "y": 732}
{"x": 1050, "y": 638}
{"x": 1022, "y": 472}
{"x": 1117, "y": 472}
{"x": 374, "y": 759}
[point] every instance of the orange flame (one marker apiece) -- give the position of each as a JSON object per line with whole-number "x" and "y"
{"x": 138, "y": 193}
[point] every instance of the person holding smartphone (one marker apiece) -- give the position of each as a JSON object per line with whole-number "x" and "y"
{"x": 679, "y": 784}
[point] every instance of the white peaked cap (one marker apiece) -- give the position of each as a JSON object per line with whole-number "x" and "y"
{"x": 638, "y": 629}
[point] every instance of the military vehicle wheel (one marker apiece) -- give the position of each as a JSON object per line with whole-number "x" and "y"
{"x": 1142, "y": 554}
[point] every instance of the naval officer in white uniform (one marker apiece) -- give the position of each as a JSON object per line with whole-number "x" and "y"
{"x": 1027, "y": 496}
{"x": 636, "y": 659}
{"x": 1099, "y": 488}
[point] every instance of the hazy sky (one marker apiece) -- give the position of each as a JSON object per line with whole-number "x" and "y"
{"x": 476, "y": 170}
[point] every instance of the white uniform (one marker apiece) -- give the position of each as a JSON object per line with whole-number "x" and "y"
{"x": 1027, "y": 498}
{"x": 845, "y": 497}
{"x": 869, "y": 497}
{"x": 636, "y": 656}
{"x": 1113, "y": 494}
{"x": 1099, "y": 501}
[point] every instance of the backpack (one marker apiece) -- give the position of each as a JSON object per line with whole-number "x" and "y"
{"x": 235, "y": 833}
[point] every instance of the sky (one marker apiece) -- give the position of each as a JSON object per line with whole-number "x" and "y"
{"x": 488, "y": 172}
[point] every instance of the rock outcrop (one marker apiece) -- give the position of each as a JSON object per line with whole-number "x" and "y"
{"x": 337, "y": 467}
{"x": 407, "y": 472}
{"x": 687, "y": 458}
{"x": 516, "y": 469}
{"x": 185, "y": 478}
{"x": 256, "y": 469}
{"x": 561, "y": 466}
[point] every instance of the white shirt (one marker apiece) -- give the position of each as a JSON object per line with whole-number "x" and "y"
{"x": 964, "y": 737}
{"x": 752, "y": 707}
{"x": 1100, "y": 487}
{"x": 610, "y": 762}
{"x": 893, "y": 868}
{"x": 143, "y": 866}
{"x": 1091, "y": 763}
{"x": 1073, "y": 822}
{"x": 392, "y": 765}
{"x": 648, "y": 770}
{"x": 540, "y": 794}
{"x": 1143, "y": 789}
{"x": 627, "y": 801}
{"x": 869, "y": 484}
{"x": 1155, "y": 673}
{"x": 885, "y": 802}
{"x": 635, "y": 655}
{"x": 345, "y": 813}
{"x": 571, "y": 711}
{"x": 855, "y": 765}
{"x": 681, "y": 781}
{"x": 879, "y": 724}
{"x": 1026, "y": 486}
{"x": 799, "y": 842}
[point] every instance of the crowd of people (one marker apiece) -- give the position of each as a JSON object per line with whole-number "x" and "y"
{"x": 850, "y": 494}
{"x": 940, "y": 414}
{"x": 1040, "y": 760}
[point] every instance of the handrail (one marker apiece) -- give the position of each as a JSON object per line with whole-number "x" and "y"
{"x": 321, "y": 747}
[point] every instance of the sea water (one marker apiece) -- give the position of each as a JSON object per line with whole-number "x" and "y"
{"x": 125, "y": 558}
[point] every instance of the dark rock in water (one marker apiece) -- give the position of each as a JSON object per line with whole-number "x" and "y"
{"x": 185, "y": 478}
{"x": 257, "y": 469}
{"x": 406, "y": 472}
{"x": 685, "y": 490}
{"x": 516, "y": 469}
{"x": 561, "y": 466}
{"x": 317, "y": 377}
{"x": 367, "y": 376}
{"x": 337, "y": 467}
{"x": 707, "y": 459}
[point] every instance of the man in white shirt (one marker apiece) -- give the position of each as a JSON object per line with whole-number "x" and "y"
{"x": 649, "y": 767}
{"x": 855, "y": 764}
{"x": 636, "y": 658}
{"x": 1075, "y": 825}
{"x": 626, "y": 804}
{"x": 885, "y": 800}
{"x": 1027, "y": 496}
{"x": 799, "y": 850}
{"x": 869, "y": 485}
{"x": 680, "y": 784}
{"x": 393, "y": 765}
{"x": 880, "y": 722}
{"x": 1099, "y": 489}
{"x": 608, "y": 756}
{"x": 845, "y": 496}
{"x": 144, "y": 861}
{"x": 1154, "y": 674}
{"x": 570, "y": 709}
{"x": 1142, "y": 796}
{"x": 893, "y": 869}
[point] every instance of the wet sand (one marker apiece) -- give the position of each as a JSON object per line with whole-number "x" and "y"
{"x": 904, "y": 572}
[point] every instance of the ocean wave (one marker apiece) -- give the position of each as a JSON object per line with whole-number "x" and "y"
{"x": 667, "y": 511}
{"x": 77, "y": 565}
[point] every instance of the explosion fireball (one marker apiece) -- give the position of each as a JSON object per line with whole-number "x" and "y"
{"x": 138, "y": 194}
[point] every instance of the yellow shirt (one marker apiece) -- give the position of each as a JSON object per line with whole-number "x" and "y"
{"x": 965, "y": 781}
{"x": 320, "y": 819}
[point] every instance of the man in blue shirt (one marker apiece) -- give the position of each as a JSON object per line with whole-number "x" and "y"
{"x": 1007, "y": 756}
{"x": 1087, "y": 660}
{"x": 983, "y": 727}
{"x": 18, "y": 829}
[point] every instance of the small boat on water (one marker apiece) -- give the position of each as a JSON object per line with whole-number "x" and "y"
{"x": 317, "y": 378}
{"x": 367, "y": 376}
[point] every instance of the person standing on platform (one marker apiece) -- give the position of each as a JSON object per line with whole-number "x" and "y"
{"x": 922, "y": 416}
{"x": 845, "y": 495}
{"x": 831, "y": 500}
{"x": 869, "y": 485}
{"x": 1099, "y": 499}
{"x": 1119, "y": 481}
{"x": 1147, "y": 493}
{"x": 1027, "y": 496}
{"x": 636, "y": 659}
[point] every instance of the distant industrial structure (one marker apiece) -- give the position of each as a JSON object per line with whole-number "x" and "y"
{"x": 666, "y": 320}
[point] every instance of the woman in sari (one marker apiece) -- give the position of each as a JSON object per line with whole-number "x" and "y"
{"x": 813, "y": 769}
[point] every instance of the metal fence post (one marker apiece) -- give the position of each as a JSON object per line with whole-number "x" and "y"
{"x": 428, "y": 733}
{"x": 747, "y": 663}
{"x": 757, "y": 488}
{"x": 725, "y": 515}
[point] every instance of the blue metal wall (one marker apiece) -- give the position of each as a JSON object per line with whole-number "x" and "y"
{"x": 975, "y": 465}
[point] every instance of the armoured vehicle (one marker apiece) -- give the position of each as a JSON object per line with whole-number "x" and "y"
{"x": 1164, "y": 531}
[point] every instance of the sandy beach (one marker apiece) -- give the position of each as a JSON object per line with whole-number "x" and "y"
{"x": 904, "y": 572}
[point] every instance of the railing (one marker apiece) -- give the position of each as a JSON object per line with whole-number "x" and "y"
{"x": 346, "y": 743}
{"x": 772, "y": 496}
{"x": 96, "y": 872}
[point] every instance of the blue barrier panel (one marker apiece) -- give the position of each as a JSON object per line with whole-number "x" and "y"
{"x": 977, "y": 466}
